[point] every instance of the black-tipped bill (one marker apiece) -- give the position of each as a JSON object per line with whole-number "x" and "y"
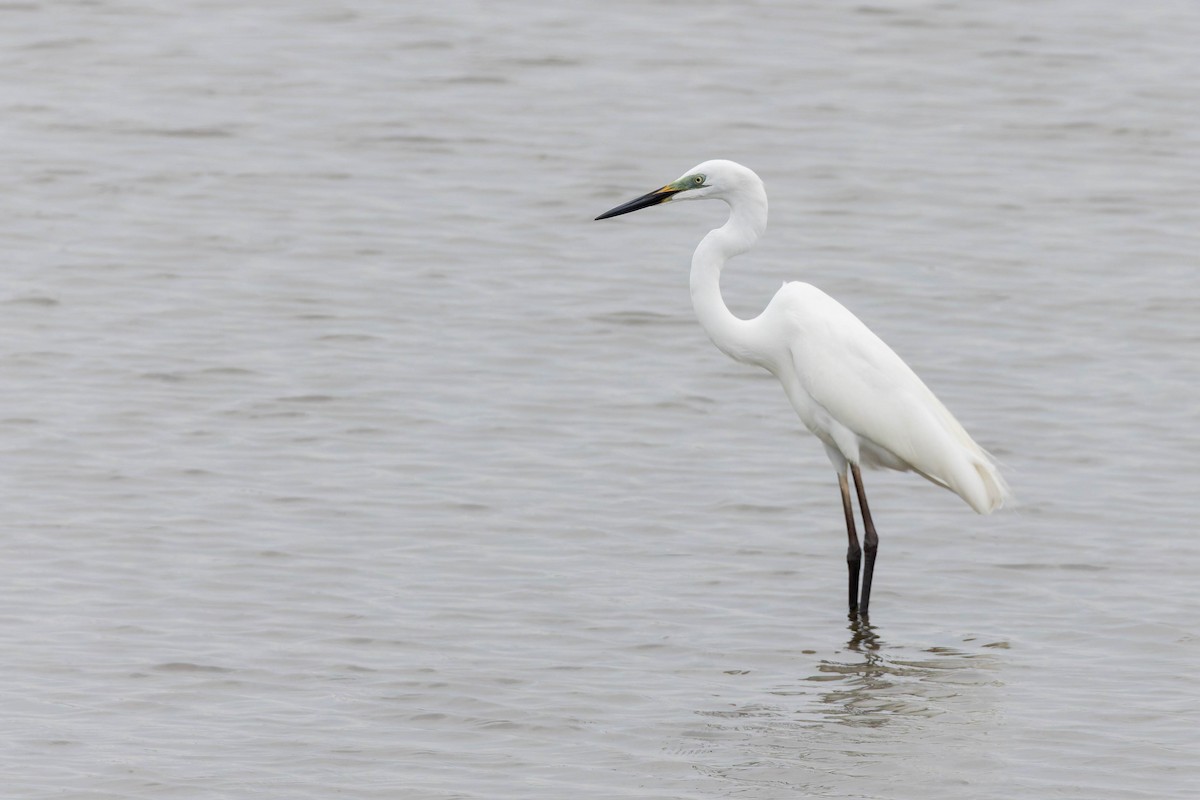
{"x": 645, "y": 201}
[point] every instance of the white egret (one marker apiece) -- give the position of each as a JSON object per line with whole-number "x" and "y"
{"x": 849, "y": 388}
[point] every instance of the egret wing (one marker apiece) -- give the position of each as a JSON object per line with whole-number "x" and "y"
{"x": 861, "y": 384}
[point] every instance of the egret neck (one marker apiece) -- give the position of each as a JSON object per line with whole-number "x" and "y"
{"x": 734, "y": 336}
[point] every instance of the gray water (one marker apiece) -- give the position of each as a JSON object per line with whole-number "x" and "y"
{"x": 346, "y": 456}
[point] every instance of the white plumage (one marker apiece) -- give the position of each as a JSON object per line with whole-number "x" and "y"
{"x": 848, "y": 387}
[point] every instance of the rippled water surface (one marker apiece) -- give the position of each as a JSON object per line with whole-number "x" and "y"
{"x": 345, "y": 456}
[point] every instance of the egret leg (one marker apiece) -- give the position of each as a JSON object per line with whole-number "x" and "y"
{"x": 870, "y": 539}
{"x": 853, "y": 552}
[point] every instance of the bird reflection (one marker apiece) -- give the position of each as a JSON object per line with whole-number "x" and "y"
{"x": 869, "y": 688}
{"x": 870, "y": 708}
{"x": 862, "y": 635}
{"x": 871, "y": 683}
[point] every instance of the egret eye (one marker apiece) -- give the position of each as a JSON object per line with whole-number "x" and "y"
{"x": 698, "y": 180}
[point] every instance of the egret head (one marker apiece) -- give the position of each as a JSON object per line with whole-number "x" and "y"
{"x": 712, "y": 179}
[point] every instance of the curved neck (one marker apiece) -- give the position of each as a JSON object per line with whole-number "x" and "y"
{"x": 747, "y": 221}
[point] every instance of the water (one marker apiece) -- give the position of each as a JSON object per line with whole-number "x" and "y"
{"x": 347, "y": 457}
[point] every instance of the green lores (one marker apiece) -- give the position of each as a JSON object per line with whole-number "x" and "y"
{"x": 693, "y": 181}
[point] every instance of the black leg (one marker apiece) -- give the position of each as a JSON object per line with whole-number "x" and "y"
{"x": 870, "y": 540}
{"x": 854, "y": 552}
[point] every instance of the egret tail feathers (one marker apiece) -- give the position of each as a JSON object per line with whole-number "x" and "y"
{"x": 995, "y": 492}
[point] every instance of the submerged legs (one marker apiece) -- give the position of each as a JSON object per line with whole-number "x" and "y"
{"x": 854, "y": 553}
{"x": 870, "y": 540}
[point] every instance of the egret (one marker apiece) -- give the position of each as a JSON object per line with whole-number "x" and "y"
{"x": 848, "y": 387}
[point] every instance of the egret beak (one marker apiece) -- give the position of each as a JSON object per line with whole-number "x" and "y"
{"x": 645, "y": 201}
